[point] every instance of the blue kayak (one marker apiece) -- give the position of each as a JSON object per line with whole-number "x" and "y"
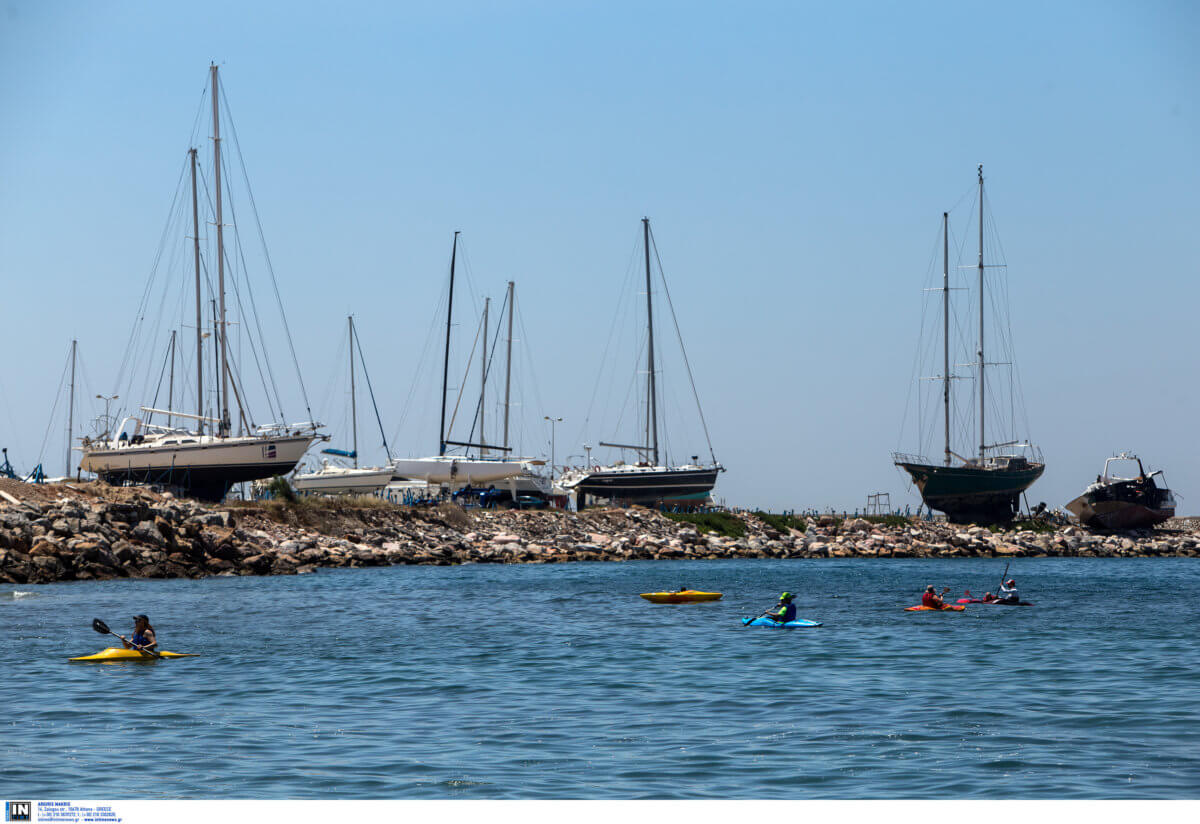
{"x": 763, "y": 621}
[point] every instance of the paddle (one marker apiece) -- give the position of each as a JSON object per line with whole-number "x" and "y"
{"x": 748, "y": 621}
{"x": 103, "y": 629}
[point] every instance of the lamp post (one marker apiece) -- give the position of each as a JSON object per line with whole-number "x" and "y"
{"x": 552, "y": 422}
{"x": 107, "y": 400}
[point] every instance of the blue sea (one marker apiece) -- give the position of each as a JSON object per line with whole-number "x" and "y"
{"x": 557, "y": 681}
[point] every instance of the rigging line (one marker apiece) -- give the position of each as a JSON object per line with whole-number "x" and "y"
{"x": 274, "y": 386}
{"x": 611, "y": 334}
{"x": 158, "y": 386}
{"x": 663, "y": 277}
{"x": 919, "y": 357}
{"x": 423, "y": 365}
{"x": 463, "y": 384}
{"x": 488, "y": 358}
{"x": 379, "y": 420}
{"x": 334, "y": 382}
{"x": 153, "y": 271}
{"x": 145, "y": 348}
{"x": 527, "y": 350}
{"x": 239, "y": 390}
{"x": 54, "y": 409}
{"x": 267, "y": 255}
{"x": 244, "y": 272}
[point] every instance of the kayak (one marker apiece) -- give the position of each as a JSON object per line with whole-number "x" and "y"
{"x": 113, "y": 654}
{"x": 947, "y": 608}
{"x": 687, "y": 596}
{"x": 993, "y": 603}
{"x": 796, "y": 623}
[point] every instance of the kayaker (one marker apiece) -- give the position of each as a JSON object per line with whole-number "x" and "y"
{"x": 933, "y": 599}
{"x": 143, "y": 634}
{"x": 989, "y": 598}
{"x": 785, "y": 610}
{"x": 1008, "y": 593}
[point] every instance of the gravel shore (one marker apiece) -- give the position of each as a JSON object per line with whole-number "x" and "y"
{"x": 88, "y": 531}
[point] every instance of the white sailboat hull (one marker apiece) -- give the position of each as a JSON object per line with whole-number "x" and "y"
{"x": 204, "y": 465}
{"x": 343, "y": 481}
{"x": 447, "y": 469}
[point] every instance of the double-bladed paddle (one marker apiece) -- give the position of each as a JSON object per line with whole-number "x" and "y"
{"x": 103, "y": 629}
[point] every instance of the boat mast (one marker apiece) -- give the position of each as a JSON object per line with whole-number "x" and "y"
{"x": 353, "y": 406}
{"x": 171, "y": 382}
{"x": 483, "y": 370}
{"x": 71, "y": 407}
{"x": 216, "y": 98}
{"x": 982, "y": 441}
{"x": 508, "y": 366}
{"x": 946, "y": 327}
{"x": 446, "y": 360}
{"x": 651, "y": 394}
{"x": 199, "y": 306}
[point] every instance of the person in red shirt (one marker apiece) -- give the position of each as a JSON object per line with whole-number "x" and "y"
{"x": 932, "y": 599}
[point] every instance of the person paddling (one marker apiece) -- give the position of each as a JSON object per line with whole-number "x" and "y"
{"x": 1008, "y": 593}
{"x": 932, "y": 599}
{"x": 143, "y": 635}
{"x": 785, "y": 610}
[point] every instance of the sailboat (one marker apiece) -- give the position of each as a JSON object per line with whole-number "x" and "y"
{"x": 204, "y": 464}
{"x": 648, "y": 480}
{"x": 333, "y": 478}
{"x": 987, "y": 487}
{"x": 458, "y": 470}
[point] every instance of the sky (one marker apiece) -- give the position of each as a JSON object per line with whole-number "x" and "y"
{"x": 794, "y": 159}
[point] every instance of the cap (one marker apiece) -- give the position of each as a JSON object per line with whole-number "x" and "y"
{"x": 929, "y": 588}
{"x": 787, "y": 596}
{"x": 145, "y": 618}
{"x": 1010, "y": 583}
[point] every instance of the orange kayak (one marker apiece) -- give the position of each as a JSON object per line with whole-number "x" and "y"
{"x": 687, "y": 596}
{"x": 947, "y": 608}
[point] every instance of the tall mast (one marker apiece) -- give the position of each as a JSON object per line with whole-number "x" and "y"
{"x": 946, "y": 327}
{"x": 446, "y": 360}
{"x": 171, "y": 382}
{"x": 483, "y": 370}
{"x": 71, "y": 407}
{"x": 199, "y": 307}
{"x": 353, "y": 395}
{"x": 651, "y": 394}
{"x": 216, "y": 352}
{"x": 982, "y": 441}
{"x": 216, "y": 99}
{"x": 508, "y": 362}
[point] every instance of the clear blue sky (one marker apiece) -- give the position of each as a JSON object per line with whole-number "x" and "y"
{"x": 795, "y": 159}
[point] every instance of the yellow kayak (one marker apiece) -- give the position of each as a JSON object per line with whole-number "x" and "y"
{"x": 113, "y": 654}
{"x": 687, "y": 596}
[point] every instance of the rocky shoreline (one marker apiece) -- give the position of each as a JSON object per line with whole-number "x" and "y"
{"x": 89, "y": 531}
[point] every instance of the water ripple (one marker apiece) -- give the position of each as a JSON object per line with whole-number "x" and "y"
{"x": 558, "y": 682}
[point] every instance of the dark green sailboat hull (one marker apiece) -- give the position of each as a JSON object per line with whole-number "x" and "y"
{"x": 972, "y": 494}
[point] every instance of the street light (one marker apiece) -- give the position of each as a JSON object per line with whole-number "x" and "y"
{"x": 107, "y": 400}
{"x": 552, "y": 422}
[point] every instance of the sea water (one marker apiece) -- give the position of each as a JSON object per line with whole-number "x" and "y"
{"x": 557, "y": 681}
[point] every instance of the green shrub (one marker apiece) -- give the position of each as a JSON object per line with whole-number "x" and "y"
{"x": 281, "y": 490}
{"x": 782, "y": 523}
{"x": 722, "y": 523}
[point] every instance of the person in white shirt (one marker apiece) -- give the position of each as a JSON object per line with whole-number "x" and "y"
{"x": 1008, "y": 592}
